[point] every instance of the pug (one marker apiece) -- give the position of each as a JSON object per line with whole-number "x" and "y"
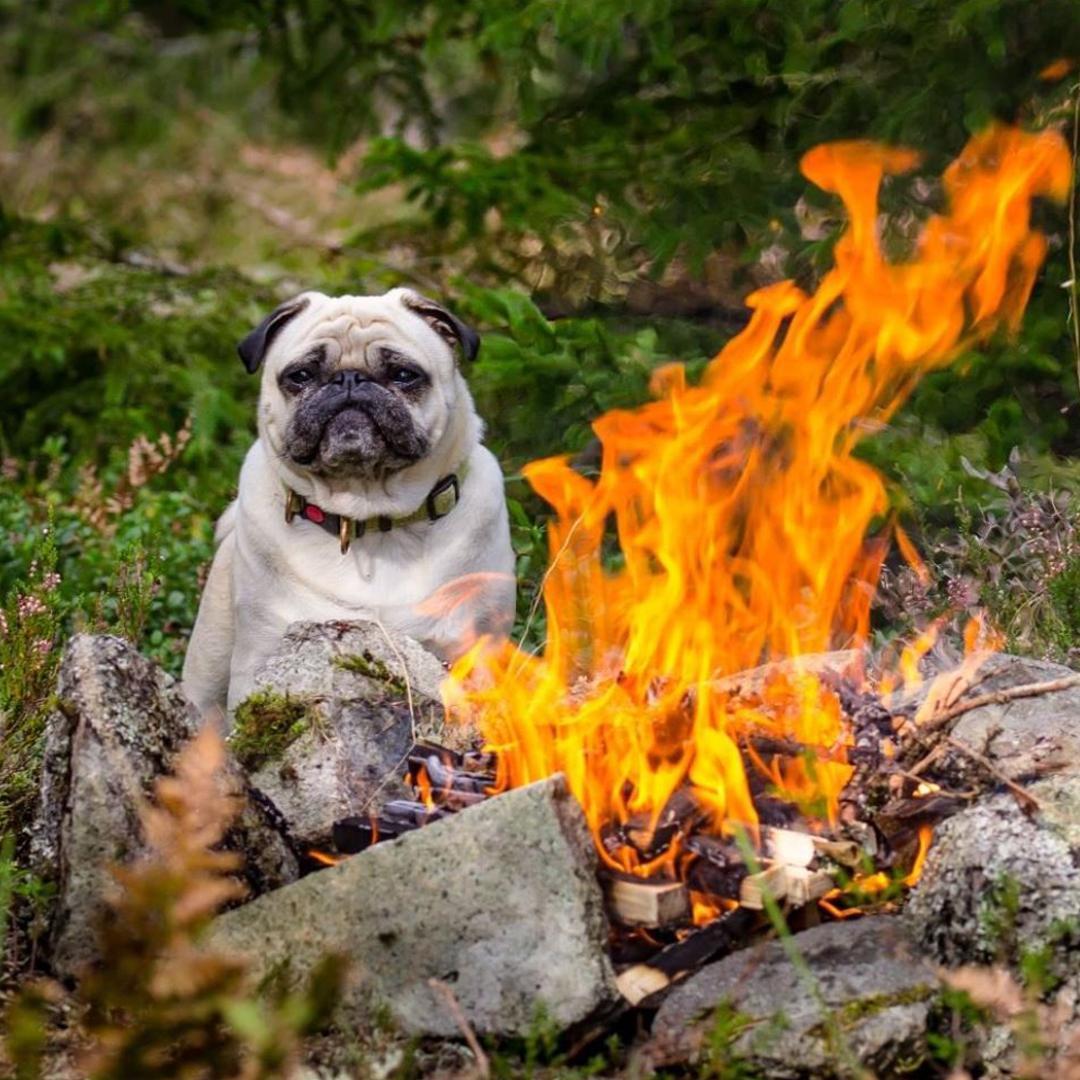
{"x": 367, "y": 494}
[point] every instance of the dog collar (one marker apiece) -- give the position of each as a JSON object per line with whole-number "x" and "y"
{"x": 441, "y": 499}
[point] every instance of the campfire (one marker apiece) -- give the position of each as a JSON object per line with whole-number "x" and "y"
{"x": 724, "y": 757}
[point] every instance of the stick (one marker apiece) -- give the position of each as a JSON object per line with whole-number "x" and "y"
{"x": 483, "y": 1066}
{"x": 778, "y": 744}
{"x": 999, "y": 697}
{"x": 1025, "y": 800}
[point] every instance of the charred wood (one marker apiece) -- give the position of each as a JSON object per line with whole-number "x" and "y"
{"x": 643, "y": 981}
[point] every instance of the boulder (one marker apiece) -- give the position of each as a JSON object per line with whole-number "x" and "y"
{"x": 333, "y": 715}
{"x": 997, "y": 881}
{"x": 866, "y": 1001}
{"x": 117, "y": 727}
{"x": 500, "y": 902}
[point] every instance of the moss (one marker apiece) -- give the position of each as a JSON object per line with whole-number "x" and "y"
{"x": 267, "y": 724}
{"x": 373, "y": 668}
{"x": 855, "y": 1011}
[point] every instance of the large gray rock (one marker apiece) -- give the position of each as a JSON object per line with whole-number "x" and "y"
{"x": 355, "y": 697}
{"x": 118, "y": 725}
{"x": 499, "y": 901}
{"x": 869, "y": 1003}
{"x": 996, "y": 881}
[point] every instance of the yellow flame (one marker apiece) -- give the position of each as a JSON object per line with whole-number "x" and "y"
{"x": 744, "y": 519}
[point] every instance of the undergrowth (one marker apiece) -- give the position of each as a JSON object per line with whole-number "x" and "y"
{"x": 166, "y": 1004}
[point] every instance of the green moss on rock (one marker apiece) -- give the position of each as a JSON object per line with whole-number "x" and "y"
{"x": 266, "y": 725}
{"x": 373, "y": 668}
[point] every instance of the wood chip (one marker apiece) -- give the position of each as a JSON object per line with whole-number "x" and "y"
{"x": 651, "y": 904}
{"x": 638, "y": 982}
{"x": 787, "y": 846}
{"x": 753, "y": 888}
{"x": 805, "y": 886}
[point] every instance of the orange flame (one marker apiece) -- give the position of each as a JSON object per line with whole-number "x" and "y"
{"x": 742, "y": 513}
{"x": 324, "y": 857}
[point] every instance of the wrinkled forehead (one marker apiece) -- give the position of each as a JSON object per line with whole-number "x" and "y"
{"x": 350, "y": 326}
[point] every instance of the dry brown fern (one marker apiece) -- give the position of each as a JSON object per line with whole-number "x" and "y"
{"x": 146, "y": 459}
{"x": 162, "y": 1004}
{"x": 1047, "y": 1039}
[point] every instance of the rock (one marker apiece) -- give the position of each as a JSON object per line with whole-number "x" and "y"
{"x": 119, "y": 722}
{"x": 876, "y": 993}
{"x": 996, "y": 881}
{"x": 500, "y": 902}
{"x": 310, "y": 654}
{"x": 1025, "y": 737}
{"x": 333, "y": 715}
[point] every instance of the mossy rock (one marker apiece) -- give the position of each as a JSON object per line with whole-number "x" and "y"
{"x": 267, "y": 724}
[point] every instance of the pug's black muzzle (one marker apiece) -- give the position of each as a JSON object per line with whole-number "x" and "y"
{"x": 351, "y": 422}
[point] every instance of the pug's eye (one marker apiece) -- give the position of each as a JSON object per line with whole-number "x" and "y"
{"x": 406, "y": 377}
{"x": 299, "y": 377}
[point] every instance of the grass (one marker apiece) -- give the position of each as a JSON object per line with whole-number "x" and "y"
{"x": 373, "y": 668}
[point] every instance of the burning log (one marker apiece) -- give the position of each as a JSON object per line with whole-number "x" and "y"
{"x": 719, "y": 870}
{"x": 787, "y": 846}
{"x": 444, "y": 773}
{"x": 899, "y": 821}
{"x": 355, "y": 834}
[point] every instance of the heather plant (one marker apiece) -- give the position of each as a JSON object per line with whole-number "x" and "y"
{"x": 1014, "y": 553}
{"x": 30, "y": 621}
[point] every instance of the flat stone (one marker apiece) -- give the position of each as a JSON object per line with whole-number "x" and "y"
{"x": 869, "y": 1003}
{"x": 368, "y": 694}
{"x": 118, "y": 726}
{"x": 500, "y": 902}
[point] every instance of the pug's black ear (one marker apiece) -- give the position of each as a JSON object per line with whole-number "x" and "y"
{"x": 445, "y": 323}
{"x": 253, "y": 348}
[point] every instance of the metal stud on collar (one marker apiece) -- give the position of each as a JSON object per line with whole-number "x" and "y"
{"x": 293, "y": 506}
{"x": 344, "y": 533}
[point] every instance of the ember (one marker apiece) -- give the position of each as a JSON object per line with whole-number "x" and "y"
{"x": 748, "y": 533}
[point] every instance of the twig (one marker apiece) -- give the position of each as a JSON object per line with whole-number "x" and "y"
{"x": 538, "y": 598}
{"x": 1024, "y": 799}
{"x": 945, "y": 792}
{"x": 785, "y": 747}
{"x": 998, "y": 697}
{"x": 483, "y": 1066}
{"x": 395, "y": 772}
{"x": 925, "y": 761}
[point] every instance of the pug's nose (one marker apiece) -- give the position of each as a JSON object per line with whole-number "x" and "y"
{"x": 350, "y": 380}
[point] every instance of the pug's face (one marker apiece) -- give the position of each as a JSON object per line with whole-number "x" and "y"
{"x": 358, "y": 386}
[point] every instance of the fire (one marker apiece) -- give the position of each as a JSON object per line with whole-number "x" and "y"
{"x": 747, "y": 528}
